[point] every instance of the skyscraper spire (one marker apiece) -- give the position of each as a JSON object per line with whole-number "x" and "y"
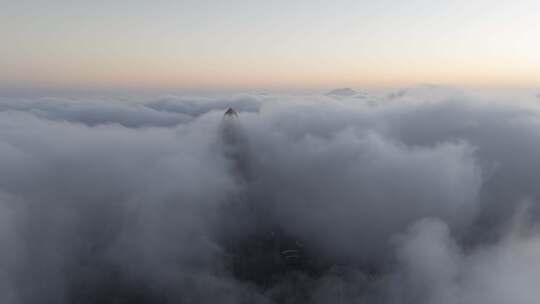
{"x": 231, "y": 113}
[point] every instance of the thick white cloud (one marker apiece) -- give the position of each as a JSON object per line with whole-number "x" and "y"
{"x": 405, "y": 198}
{"x": 132, "y": 113}
{"x": 434, "y": 269}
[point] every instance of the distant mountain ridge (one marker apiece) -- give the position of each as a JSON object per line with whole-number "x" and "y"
{"x": 342, "y": 92}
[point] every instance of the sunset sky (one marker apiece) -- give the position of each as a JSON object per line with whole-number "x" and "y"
{"x": 201, "y": 44}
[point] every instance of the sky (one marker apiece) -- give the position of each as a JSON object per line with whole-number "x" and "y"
{"x": 293, "y": 44}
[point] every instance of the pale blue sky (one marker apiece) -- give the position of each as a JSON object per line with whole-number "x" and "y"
{"x": 268, "y": 44}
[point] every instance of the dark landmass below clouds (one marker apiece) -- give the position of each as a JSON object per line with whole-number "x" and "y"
{"x": 427, "y": 195}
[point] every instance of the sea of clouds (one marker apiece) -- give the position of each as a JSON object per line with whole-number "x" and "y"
{"x": 427, "y": 195}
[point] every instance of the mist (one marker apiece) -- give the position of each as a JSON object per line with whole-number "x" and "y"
{"x": 427, "y": 195}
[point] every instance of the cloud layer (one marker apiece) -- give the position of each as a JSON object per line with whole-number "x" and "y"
{"x": 427, "y": 195}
